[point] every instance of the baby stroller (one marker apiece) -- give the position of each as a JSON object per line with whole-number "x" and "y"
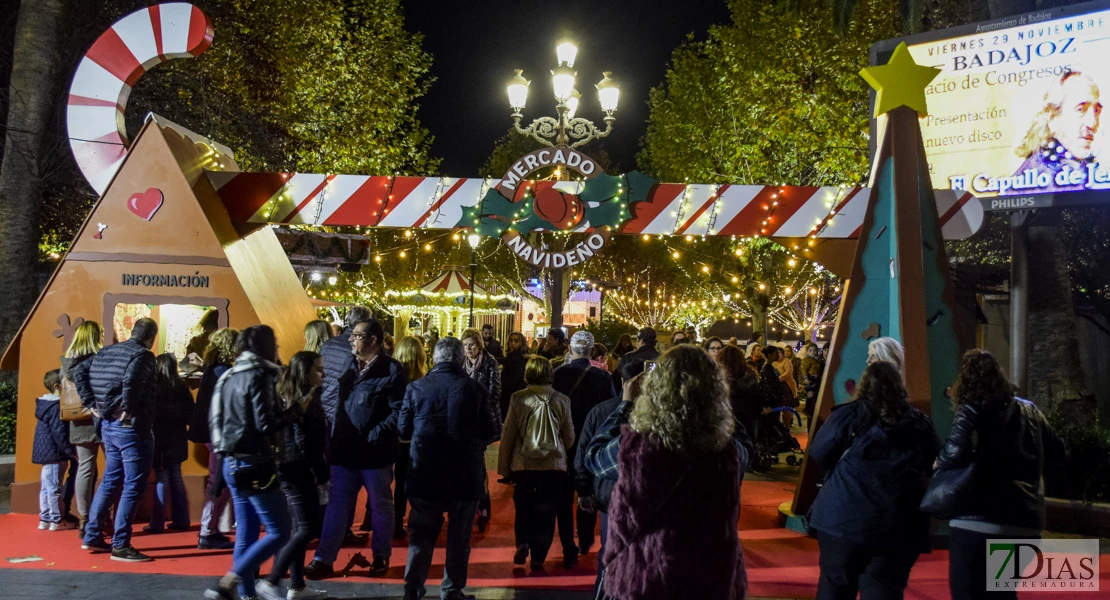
{"x": 772, "y": 438}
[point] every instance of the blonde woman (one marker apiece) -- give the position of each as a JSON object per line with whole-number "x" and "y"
{"x": 482, "y": 367}
{"x": 315, "y": 334}
{"x": 87, "y": 341}
{"x": 218, "y": 357}
{"x": 674, "y": 510}
{"x": 537, "y": 464}
{"x": 410, "y": 353}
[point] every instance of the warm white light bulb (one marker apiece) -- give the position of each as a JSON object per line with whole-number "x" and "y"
{"x": 518, "y": 90}
{"x": 566, "y": 51}
{"x": 562, "y": 78}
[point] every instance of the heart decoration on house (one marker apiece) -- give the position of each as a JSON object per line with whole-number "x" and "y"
{"x": 873, "y": 331}
{"x": 145, "y": 204}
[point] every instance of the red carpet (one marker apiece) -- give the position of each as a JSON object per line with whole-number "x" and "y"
{"x": 781, "y": 563}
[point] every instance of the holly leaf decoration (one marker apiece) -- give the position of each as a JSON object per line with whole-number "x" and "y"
{"x": 496, "y": 213}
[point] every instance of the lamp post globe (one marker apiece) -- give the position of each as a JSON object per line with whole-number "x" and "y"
{"x": 518, "y": 91}
{"x": 566, "y": 51}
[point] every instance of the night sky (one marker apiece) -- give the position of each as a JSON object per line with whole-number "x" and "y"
{"x": 476, "y": 46}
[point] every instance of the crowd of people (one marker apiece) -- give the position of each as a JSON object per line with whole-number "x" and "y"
{"x": 653, "y": 445}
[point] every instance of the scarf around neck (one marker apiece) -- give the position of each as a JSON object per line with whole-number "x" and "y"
{"x": 472, "y": 365}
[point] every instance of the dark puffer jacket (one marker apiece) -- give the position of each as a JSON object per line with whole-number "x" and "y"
{"x": 76, "y": 369}
{"x": 673, "y": 524}
{"x": 364, "y": 435}
{"x": 198, "y": 424}
{"x": 872, "y": 493}
{"x": 122, "y": 379}
{"x": 51, "y": 443}
{"x": 489, "y": 375}
{"x": 305, "y": 437}
{"x": 339, "y": 370}
{"x": 596, "y": 387}
{"x": 1014, "y": 441}
{"x": 245, "y": 415}
{"x": 512, "y": 378}
{"x": 642, "y": 354}
{"x": 446, "y": 415}
{"x": 171, "y": 424}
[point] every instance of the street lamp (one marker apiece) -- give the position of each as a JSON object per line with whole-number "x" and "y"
{"x": 566, "y": 129}
{"x": 473, "y": 240}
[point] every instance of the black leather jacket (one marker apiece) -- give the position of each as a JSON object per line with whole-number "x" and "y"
{"x": 1011, "y": 444}
{"x": 245, "y": 416}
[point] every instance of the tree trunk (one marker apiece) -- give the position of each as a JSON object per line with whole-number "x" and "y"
{"x": 759, "y": 320}
{"x": 1055, "y": 373}
{"x": 31, "y": 103}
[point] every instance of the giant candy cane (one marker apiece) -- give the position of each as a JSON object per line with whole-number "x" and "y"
{"x": 105, "y": 75}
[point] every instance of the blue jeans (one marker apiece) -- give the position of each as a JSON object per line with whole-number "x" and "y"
{"x": 265, "y": 509}
{"x": 50, "y": 492}
{"x": 127, "y": 458}
{"x": 169, "y": 476}
{"x": 426, "y": 522}
{"x": 344, "y": 491}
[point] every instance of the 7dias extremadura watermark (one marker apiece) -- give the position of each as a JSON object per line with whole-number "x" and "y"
{"x": 1042, "y": 565}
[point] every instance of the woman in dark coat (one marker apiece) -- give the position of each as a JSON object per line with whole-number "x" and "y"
{"x": 172, "y": 411}
{"x": 1012, "y": 445}
{"x": 877, "y": 452}
{"x": 304, "y": 472}
{"x": 218, "y": 357}
{"x": 483, "y": 368}
{"x": 512, "y": 370}
{"x": 744, "y": 394}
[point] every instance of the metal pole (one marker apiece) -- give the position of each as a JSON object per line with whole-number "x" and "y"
{"x": 473, "y": 269}
{"x": 601, "y": 310}
{"x": 1019, "y": 297}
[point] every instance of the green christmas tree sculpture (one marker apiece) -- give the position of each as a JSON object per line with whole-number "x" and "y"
{"x": 899, "y": 285}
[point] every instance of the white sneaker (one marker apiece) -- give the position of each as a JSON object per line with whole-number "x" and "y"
{"x": 43, "y": 525}
{"x": 267, "y": 590}
{"x": 63, "y": 526}
{"x": 305, "y": 593}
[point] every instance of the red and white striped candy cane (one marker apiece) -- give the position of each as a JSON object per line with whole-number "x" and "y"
{"x": 105, "y": 75}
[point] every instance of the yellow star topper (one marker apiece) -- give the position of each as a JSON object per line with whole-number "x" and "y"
{"x": 900, "y": 82}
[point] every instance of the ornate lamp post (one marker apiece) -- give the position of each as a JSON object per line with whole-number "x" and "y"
{"x": 566, "y": 129}
{"x": 473, "y": 240}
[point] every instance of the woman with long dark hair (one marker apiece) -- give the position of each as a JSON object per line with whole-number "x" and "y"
{"x": 877, "y": 452}
{"x": 743, "y": 387}
{"x": 172, "y": 411}
{"x": 246, "y": 426}
{"x": 1009, "y": 441}
{"x": 304, "y": 471}
{"x": 218, "y": 357}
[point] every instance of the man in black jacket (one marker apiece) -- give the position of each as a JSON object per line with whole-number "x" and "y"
{"x": 586, "y": 386}
{"x": 363, "y": 447}
{"x": 492, "y": 345}
{"x": 122, "y": 378}
{"x": 445, "y": 416}
{"x": 645, "y": 350}
{"x": 339, "y": 362}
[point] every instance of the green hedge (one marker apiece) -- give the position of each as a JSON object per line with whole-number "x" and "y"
{"x": 1087, "y": 474}
{"x": 7, "y": 418}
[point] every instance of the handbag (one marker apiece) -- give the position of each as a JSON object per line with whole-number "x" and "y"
{"x": 71, "y": 407}
{"x": 255, "y": 479}
{"x": 948, "y": 491}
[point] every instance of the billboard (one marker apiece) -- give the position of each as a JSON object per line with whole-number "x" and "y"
{"x": 1015, "y": 116}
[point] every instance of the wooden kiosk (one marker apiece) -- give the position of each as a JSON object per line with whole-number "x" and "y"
{"x": 158, "y": 243}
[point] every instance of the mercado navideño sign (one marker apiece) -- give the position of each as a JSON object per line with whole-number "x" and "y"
{"x": 1016, "y": 110}
{"x": 592, "y": 205}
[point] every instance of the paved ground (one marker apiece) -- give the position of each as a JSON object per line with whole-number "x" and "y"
{"x": 65, "y": 585}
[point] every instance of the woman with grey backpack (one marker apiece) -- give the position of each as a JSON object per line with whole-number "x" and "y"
{"x": 533, "y": 456}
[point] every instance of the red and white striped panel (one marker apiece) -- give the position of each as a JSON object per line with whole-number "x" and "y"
{"x": 671, "y": 209}
{"x": 105, "y": 75}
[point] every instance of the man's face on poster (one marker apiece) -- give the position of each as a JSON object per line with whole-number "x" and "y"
{"x": 1076, "y": 125}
